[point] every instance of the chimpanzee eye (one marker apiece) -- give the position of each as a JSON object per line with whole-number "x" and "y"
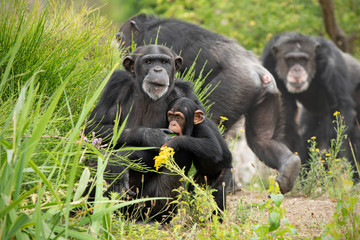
{"x": 148, "y": 62}
{"x": 163, "y": 62}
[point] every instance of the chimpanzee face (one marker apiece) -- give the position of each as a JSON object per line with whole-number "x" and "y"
{"x": 157, "y": 68}
{"x": 177, "y": 122}
{"x": 183, "y": 115}
{"x": 154, "y": 69}
{"x": 296, "y": 63}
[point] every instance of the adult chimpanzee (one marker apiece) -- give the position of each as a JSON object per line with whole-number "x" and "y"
{"x": 313, "y": 71}
{"x": 243, "y": 85}
{"x": 142, "y": 94}
{"x": 201, "y": 139}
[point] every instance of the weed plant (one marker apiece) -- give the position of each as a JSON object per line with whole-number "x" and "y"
{"x": 327, "y": 169}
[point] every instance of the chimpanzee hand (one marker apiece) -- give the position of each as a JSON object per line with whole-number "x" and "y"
{"x": 166, "y": 131}
{"x": 145, "y": 137}
{"x": 172, "y": 143}
{"x": 155, "y": 137}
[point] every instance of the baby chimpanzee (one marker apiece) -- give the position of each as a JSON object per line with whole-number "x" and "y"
{"x": 200, "y": 140}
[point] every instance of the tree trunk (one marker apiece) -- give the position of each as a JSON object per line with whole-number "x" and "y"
{"x": 332, "y": 27}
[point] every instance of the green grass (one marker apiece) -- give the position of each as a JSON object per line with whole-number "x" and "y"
{"x": 54, "y": 64}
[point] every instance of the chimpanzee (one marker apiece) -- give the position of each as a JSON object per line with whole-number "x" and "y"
{"x": 141, "y": 96}
{"x": 314, "y": 72}
{"x": 201, "y": 139}
{"x": 243, "y": 87}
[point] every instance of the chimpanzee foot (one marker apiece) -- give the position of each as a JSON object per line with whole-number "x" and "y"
{"x": 288, "y": 173}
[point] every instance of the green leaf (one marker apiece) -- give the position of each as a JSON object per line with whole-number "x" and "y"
{"x": 19, "y": 224}
{"x": 274, "y": 220}
{"x": 83, "y": 182}
{"x": 277, "y": 199}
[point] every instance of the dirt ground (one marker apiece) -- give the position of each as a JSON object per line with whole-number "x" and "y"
{"x": 309, "y": 216}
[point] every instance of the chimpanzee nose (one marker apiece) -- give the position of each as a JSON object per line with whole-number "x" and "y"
{"x": 297, "y": 69}
{"x": 157, "y": 69}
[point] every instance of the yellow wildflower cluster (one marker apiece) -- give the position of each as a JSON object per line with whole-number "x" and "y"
{"x": 336, "y": 113}
{"x": 224, "y": 118}
{"x": 166, "y": 153}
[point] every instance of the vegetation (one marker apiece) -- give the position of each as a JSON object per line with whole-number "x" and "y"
{"x": 53, "y": 66}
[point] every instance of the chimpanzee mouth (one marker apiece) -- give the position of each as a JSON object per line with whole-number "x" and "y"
{"x": 157, "y": 84}
{"x": 155, "y": 90}
{"x": 297, "y": 87}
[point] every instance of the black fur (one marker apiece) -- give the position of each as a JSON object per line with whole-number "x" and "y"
{"x": 244, "y": 86}
{"x": 206, "y": 147}
{"x": 334, "y": 85}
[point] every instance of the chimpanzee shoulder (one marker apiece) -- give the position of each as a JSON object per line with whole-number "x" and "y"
{"x": 120, "y": 82}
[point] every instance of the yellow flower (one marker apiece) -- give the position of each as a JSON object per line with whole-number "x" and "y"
{"x": 336, "y": 113}
{"x": 224, "y": 118}
{"x": 313, "y": 138}
{"x": 296, "y": 153}
{"x": 163, "y": 158}
{"x": 322, "y": 160}
{"x": 317, "y": 149}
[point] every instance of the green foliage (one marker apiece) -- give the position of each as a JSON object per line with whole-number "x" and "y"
{"x": 38, "y": 171}
{"x": 52, "y": 45}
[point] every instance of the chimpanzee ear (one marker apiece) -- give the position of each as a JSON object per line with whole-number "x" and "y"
{"x": 128, "y": 64}
{"x": 274, "y": 50}
{"x": 134, "y": 25}
{"x": 199, "y": 117}
{"x": 178, "y": 63}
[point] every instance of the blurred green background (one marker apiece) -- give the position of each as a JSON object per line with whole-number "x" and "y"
{"x": 252, "y": 23}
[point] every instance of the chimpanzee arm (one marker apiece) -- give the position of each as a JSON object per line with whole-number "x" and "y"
{"x": 263, "y": 133}
{"x": 204, "y": 144}
{"x": 333, "y": 72}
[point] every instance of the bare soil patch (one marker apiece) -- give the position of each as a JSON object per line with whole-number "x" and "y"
{"x": 309, "y": 216}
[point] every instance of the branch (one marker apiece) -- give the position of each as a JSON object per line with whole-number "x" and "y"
{"x": 332, "y": 27}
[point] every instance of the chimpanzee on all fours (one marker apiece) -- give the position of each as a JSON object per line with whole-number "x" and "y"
{"x": 243, "y": 86}
{"x": 200, "y": 139}
{"x": 143, "y": 93}
{"x": 313, "y": 71}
